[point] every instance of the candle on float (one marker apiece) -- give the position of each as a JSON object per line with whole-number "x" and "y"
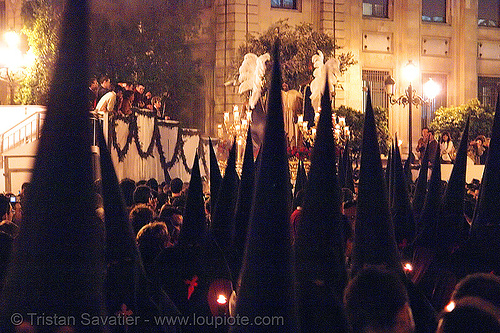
{"x": 342, "y": 121}
{"x": 346, "y": 129}
{"x": 226, "y": 117}
{"x": 249, "y": 116}
{"x": 337, "y": 133}
{"x": 304, "y": 126}
{"x": 244, "y": 123}
{"x": 236, "y": 113}
{"x": 220, "y": 131}
{"x": 300, "y": 119}
{"x": 314, "y": 132}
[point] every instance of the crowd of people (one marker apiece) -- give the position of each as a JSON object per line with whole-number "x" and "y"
{"x": 476, "y": 152}
{"x": 120, "y": 98}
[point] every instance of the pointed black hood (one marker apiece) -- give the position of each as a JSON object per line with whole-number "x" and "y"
{"x": 222, "y": 223}
{"x": 127, "y": 288}
{"x": 301, "y": 179}
{"x": 429, "y": 217}
{"x": 194, "y": 225}
{"x": 402, "y": 214}
{"x": 374, "y": 242}
{"x": 320, "y": 254}
{"x": 58, "y": 260}
{"x": 243, "y": 206}
{"x": 452, "y": 212}
{"x": 215, "y": 177}
{"x": 267, "y": 278}
{"x": 120, "y": 238}
{"x": 421, "y": 187}
{"x": 488, "y": 210}
{"x": 484, "y": 238}
{"x": 320, "y": 241}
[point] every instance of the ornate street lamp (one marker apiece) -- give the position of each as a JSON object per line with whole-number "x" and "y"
{"x": 410, "y": 97}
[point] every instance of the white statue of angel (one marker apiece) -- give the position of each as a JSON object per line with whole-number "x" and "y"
{"x": 321, "y": 70}
{"x": 251, "y": 76}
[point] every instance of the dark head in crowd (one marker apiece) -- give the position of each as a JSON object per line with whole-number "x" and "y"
{"x": 377, "y": 301}
{"x": 153, "y": 184}
{"x": 141, "y": 182}
{"x": 104, "y": 86}
{"x": 470, "y": 314}
{"x": 128, "y": 186}
{"x": 152, "y": 239}
{"x": 142, "y": 194}
{"x": 481, "y": 285}
{"x": 176, "y": 185}
{"x": 141, "y": 215}
{"x": 173, "y": 219}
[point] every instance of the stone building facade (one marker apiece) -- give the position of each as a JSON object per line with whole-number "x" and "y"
{"x": 454, "y": 42}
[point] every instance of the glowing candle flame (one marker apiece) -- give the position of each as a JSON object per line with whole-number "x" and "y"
{"x": 450, "y": 306}
{"x": 408, "y": 267}
{"x": 221, "y": 299}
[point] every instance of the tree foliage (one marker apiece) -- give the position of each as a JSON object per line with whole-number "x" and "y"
{"x": 298, "y": 44}
{"x": 356, "y": 119}
{"x": 143, "y": 42}
{"x": 41, "y": 26}
{"x": 452, "y": 119}
{"x": 148, "y": 44}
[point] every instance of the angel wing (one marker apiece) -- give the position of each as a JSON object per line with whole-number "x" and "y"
{"x": 260, "y": 71}
{"x": 318, "y": 83}
{"x": 330, "y": 69}
{"x": 247, "y": 72}
{"x": 252, "y": 71}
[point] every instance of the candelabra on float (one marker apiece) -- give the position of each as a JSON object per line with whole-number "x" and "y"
{"x": 341, "y": 132}
{"x": 235, "y": 127}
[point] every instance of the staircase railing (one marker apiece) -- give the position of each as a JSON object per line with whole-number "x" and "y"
{"x": 25, "y": 132}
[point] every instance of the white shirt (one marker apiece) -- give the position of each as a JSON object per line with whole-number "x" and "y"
{"x": 106, "y": 103}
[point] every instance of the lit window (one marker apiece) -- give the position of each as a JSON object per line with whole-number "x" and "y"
{"x": 488, "y": 13}
{"x": 288, "y": 4}
{"x": 487, "y": 90}
{"x": 375, "y": 8}
{"x": 434, "y": 11}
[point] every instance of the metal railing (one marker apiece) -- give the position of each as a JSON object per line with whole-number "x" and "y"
{"x": 25, "y": 132}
